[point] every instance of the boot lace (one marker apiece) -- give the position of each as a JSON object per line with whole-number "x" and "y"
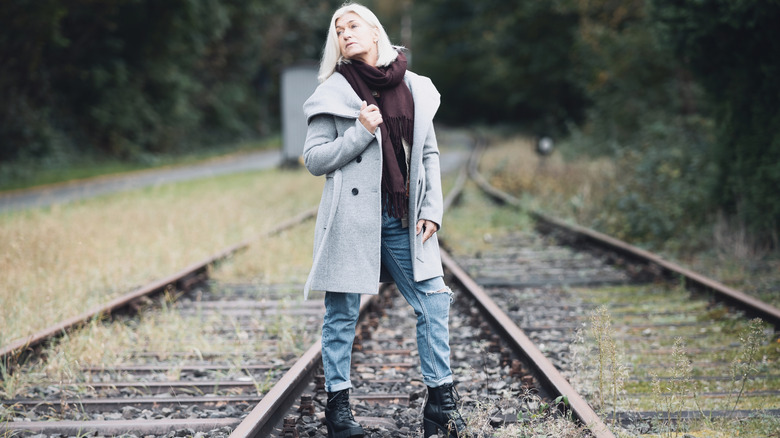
{"x": 450, "y": 400}
{"x": 341, "y": 407}
{"x": 449, "y": 404}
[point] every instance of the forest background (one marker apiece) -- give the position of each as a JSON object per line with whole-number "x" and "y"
{"x": 687, "y": 90}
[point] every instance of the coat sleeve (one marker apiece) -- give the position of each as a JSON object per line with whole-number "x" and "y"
{"x": 326, "y": 151}
{"x": 432, "y": 207}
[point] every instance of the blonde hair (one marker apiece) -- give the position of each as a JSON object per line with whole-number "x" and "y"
{"x": 331, "y": 54}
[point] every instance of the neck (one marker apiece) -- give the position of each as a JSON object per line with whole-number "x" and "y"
{"x": 370, "y": 58}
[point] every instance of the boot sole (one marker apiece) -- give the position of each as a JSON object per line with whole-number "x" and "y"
{"x": 352, "y": 432}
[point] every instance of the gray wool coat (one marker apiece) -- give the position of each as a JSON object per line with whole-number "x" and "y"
{"x": 348, "y": 229}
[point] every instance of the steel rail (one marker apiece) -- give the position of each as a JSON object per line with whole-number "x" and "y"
{"x": 266, "y": 414}
{"x": 264, "y": 417}
{"x": 693, "y": 280}
{"x": 11, "y": 354}
{"x": 551, "y": 379}
{"x": 182, "y": 280}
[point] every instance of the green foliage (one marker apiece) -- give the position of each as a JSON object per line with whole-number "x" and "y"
{"x": 662, "y": 189}
{"x": 733, "y": 50}
{"x": 129, "y": 78}
{"x": 743, "y": 366}
{"x": 630, "y": 79}
{"x": 499, "y": 61}
{"x": 641, "y": 79}
{"x": 645, "y": 112}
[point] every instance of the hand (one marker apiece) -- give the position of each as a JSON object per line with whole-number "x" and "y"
{"x": 370, "y": 117}
{"x": 429, "y": 227}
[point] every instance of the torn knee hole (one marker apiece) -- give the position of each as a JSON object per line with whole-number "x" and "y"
{"x": 441, "y": 291}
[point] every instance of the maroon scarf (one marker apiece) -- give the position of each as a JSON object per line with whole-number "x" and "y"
{"x": 385, "y": 88}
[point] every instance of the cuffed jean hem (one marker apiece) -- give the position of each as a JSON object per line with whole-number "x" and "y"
{"x": 341, "y": 386}
{"x": 437, "y": 383}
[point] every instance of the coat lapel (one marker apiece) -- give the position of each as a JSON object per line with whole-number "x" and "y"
{"x": 334, "y": 96}
{"x": 426, "y": 102}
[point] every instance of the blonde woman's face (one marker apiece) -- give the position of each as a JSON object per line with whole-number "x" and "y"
{"x": 357, "y": 39}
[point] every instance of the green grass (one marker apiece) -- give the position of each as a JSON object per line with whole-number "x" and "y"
{"x": 19, "y": 176}
{"x": 62, "y": 260}
{"x": 476, "y": 222}
{"x": 581, "y": 189}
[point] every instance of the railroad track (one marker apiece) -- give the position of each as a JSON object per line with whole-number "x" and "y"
{"x": 672, "y": 345}
{"x": 238, "y": 340}
{"x": 250, "y": 388}
{"x": 248, "y": 336}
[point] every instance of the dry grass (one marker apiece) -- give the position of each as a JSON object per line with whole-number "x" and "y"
{"x": 535, "y": 419}
{"x": 472, "y": 224}
{"x": 567, "y": 189}
{"x": 58, "y": 262}
{"x": 281, "y": 259}
{"x": 581, "y": 190}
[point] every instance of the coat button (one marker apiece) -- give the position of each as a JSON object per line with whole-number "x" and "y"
{"x": 359, "y": 158}
{"x": 355, "y": 191}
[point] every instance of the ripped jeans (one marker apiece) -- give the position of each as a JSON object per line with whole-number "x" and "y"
{"x": 430, "y": 300}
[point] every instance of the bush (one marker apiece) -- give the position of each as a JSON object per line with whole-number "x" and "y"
{"x": 664, "y": 181}
{"x": 731, "y": 48}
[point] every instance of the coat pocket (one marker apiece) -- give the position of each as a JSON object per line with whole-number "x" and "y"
{"x": 425, "y": 252}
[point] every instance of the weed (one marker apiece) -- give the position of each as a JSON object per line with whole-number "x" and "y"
{"x": 544, "y": 419}
{"x": 671, "y": 394}
{"x": 10, "y": 383}
{"x": 744, "y": 364}
{"x": 535, "y": 418}
{"x": 612, "y": 373}
{"x": 264, "y": 386}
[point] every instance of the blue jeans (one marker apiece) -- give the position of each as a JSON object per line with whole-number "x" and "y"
{"x": 430, "y": 300}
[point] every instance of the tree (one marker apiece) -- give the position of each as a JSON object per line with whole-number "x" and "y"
{"x": 129, "y": 78}
{"x": 733, "y": 49}
{"x": 500, "y": 61}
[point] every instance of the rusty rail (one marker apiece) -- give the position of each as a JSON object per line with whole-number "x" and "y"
{"x": 182, "y": 280}
{"x": 552, "y": 380}
{"x": 693, "y": 280}
{"x": 270, "y": 411}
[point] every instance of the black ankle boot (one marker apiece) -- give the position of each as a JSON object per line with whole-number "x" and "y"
{"x": 441, "y": 413}
{"x": 338, "y": 416}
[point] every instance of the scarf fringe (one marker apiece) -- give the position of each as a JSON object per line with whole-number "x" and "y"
{"x": 400, "y": 128}
{"x": 396, "y": 205}
{"x": 397, "y": 107}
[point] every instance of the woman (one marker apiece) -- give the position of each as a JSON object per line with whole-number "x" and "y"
{"x": 371, "y": 134}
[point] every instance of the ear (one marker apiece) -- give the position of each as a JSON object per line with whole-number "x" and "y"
{"x": 376, "y": 35}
